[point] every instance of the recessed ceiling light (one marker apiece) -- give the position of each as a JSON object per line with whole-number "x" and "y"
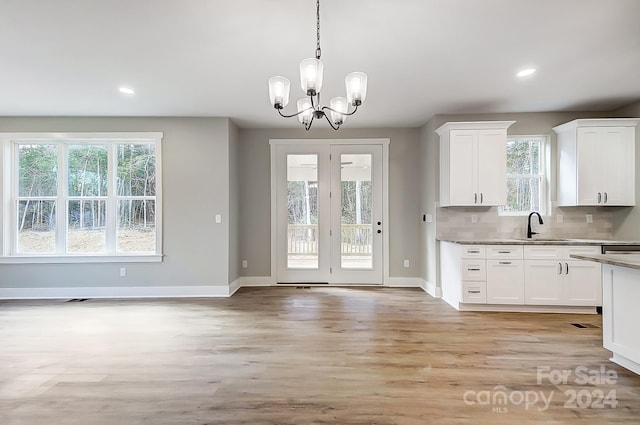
{"x": 126, "y": 90}
{"x": 526, "y": 72}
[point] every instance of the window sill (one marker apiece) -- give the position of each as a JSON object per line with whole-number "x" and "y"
{"x": 80, "y": 259}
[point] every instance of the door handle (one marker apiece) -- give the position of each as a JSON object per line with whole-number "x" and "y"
{"x": 379, "y": 223}
{"x": 379, "y": 231}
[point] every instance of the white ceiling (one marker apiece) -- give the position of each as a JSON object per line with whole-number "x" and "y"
{"x": 213, "y": 58}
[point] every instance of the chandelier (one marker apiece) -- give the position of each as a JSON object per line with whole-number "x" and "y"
{"x": 309, "y": 108}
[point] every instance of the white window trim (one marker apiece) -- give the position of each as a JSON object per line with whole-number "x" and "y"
{"x": 545, "y": 202}
{"x": 7, "y": 176}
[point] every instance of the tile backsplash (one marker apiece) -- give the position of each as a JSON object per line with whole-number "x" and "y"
{"x": 485, "y": 223}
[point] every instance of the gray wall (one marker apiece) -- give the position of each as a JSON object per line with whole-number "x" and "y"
{"x": 403, "y": 226}
{"x": 195, "y": 153}
{"x": 626, "y": 221}
{"x": 234, "y": 202}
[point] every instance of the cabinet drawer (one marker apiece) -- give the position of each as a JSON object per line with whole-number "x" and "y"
{"x": 585, "y": 250}
{"x": 543, "y": 252}
{"x": 473, "y": 251}
{"x": 474, "y": 269}
{"x": 474, "y": 292}
{"x": 513, "y": 252}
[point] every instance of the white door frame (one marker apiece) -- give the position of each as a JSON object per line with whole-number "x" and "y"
{"x": 385, "y": 193}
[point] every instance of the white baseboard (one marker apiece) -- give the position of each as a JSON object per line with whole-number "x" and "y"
{"x": 234, "y": 286}
{"x": 256, "y": 281}
{"x": 431, "y": 289}
{"x": 404, "y": 282}
{"x": 116, "y": 292}
{"x": 522, "y": 308}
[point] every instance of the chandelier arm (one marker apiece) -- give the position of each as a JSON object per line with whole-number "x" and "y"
{"x": 341, "y": 113}
{"x": 293, "y": 115}
{"x": 330, "y": 123}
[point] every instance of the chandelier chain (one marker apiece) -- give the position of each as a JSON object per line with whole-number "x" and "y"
{"x": 318, "y": 51}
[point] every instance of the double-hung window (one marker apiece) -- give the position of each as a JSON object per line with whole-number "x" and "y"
{"x": 90, "y": 196}
{"x": 526, "y": 175}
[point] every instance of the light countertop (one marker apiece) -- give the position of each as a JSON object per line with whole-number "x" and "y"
{"x": 541, "y": 241}
{"x": 631, "y": 261}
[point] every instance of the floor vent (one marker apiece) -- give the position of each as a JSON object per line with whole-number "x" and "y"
{"x": 78, "y": 300}
{"x": 585, "y": 325}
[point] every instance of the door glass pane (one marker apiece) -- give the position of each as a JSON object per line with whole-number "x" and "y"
{"x": 302, "y": 211}
{"x": 356, "y": 221}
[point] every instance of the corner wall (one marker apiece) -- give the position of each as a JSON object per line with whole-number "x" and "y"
{"x": 195, "y": 154}
{"x": 626, "y": 221}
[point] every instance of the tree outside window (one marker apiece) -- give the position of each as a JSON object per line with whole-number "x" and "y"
{"x": 526, "y": 182}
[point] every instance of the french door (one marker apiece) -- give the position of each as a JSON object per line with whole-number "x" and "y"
{"x": 329, "y": 213}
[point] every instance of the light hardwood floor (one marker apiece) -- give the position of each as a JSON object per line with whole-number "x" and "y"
{"x": 300, "y": 356}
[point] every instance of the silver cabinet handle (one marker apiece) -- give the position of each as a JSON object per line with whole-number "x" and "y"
{"x": 473, "y": 292}
{"x": 475, "y": 198}
{"x": 475, "y": 251}
{"x": 473, "y": 270}
{"x": 504, "y": 262}
{"x": 605, "y": 197}
{"x": 567, "y": 266}
{"x": 559, "y": 268}
{"x": 599, "y": 197}
{"x": 504, "y": 252}
{"x": 481, "y": 200}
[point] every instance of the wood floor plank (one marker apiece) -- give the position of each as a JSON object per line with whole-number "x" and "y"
{"x": 323, "y": 355}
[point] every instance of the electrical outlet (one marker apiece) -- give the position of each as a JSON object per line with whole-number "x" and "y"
{"x": 559, "y": 218}
{"x": 589, "y": 218}
{"x": 406, "y": 263}
{"x": 123, "y": 271}
{"x": 244, "y": 264}
{"x": 474, "y": 218}
{"x": 428, "y": 218}
{"x": 218, "y": 218}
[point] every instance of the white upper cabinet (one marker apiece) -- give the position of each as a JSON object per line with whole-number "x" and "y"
{"x": 596, "y": 160}
{"x": 473, "y": 163}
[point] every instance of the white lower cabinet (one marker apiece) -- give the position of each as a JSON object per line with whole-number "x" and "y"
{"x": 561, "y": 280}
{"x": 534, "y": 275}
{"x": 505, "y": 282}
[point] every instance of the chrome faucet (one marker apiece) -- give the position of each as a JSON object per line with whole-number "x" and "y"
{"x": 529, "y": 232}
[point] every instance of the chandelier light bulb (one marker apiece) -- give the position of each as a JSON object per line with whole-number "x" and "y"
{"x": 356, "y": 84}
{"x": 311, "y": 71}
{"x": 279, "y": 91}
{"x": 340, "y": 105}
{"x": 305, "y": 110}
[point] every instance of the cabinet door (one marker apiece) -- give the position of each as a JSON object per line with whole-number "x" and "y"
{"x": 492, "y": 167}
{"x": 463, "y": 167}
{"x": 505, "y": 282}
{"x": 589, "y": 166}
{"x": 618, "y": 166}
{"x": 582, "y": 283}
{"x": 543, "y": 282}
